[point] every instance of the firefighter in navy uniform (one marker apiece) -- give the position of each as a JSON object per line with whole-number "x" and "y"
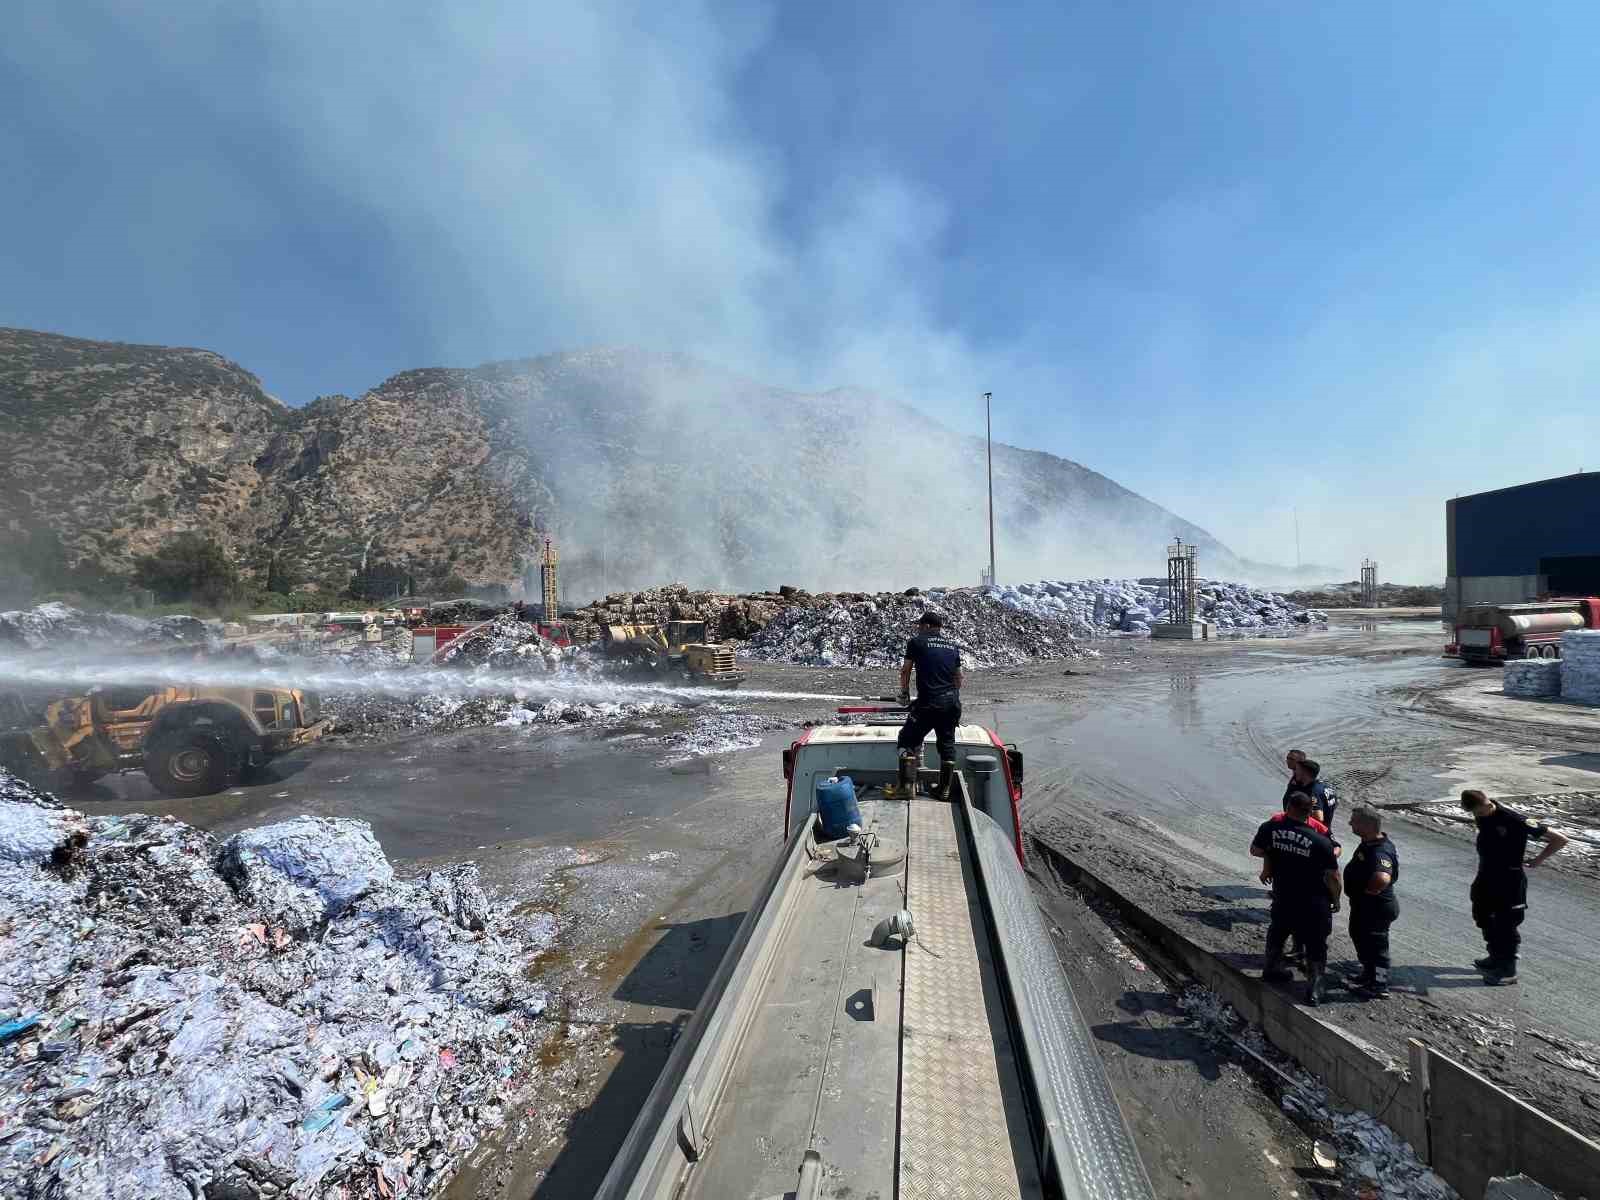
{"x": 937, "y": 662}
{"x": 1500, "y": 890}
{"x": 1303, "y": 774}
{"x": 1305, "y": 893}
{"x": 1303, "y": 777}
{"x": 1369, "y": 880}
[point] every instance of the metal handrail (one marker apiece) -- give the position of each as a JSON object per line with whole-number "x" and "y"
{"x": 652, "y": 1155}
{"x": 1085, "y": 1147}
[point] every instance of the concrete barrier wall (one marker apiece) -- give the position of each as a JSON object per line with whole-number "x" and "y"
{"x": 1480, "y": 1132}
{"x": 1467, "y": 1129}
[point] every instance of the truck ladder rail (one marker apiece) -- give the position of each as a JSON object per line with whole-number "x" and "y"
{"x": 1085, "y": 1147}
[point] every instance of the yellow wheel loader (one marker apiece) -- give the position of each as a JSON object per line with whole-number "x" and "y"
{"x": 677, "y": 650}
{"x": 189, "y": 741}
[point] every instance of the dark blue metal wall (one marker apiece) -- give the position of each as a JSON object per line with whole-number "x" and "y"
{"x": 1509, "y": 531}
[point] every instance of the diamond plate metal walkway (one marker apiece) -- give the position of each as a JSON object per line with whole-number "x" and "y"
{"x": 961, "y": 1116}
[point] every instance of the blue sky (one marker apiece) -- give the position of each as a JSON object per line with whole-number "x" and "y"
{"x": 1245, "y": 258}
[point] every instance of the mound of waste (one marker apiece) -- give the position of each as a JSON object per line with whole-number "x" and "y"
{"x": 505, "y": 643}
{"x": 726, "y": 616}
{"x": 274, "y": 1016}
{"x": 717, "y": 733}
{"x": 57, "y": 626}
{"x": 871, "y": 631}
{"x": 1097, "y": 606}
{"x": 1390, "y": 595}
{"x": 462, "y": 612}
{"x": 371, "y": 716}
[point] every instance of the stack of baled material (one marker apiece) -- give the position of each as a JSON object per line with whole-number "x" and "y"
{"x": 1580, "y": 666}
{"x": 1533, "y": 678}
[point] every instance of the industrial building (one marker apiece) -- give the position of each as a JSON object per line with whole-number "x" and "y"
{"x": 1523, "y": 543}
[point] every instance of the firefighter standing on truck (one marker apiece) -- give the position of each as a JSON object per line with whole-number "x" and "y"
{"x": 937, "y": 662}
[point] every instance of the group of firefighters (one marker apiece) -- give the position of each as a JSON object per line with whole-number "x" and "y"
{"x": 1298, "y": 846}
{"x": 1301, "y": 863}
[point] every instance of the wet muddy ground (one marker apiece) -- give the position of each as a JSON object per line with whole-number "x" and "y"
{"x": 1203, "y": 1126}
{"x": 1154, "y": 767}
{"x": 1152, "y": 763}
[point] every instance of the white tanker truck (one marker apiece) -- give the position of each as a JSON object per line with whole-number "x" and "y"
{"x": 1492, "y": 633}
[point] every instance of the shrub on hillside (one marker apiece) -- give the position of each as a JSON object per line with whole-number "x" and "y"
{"x": 188, "y": 568}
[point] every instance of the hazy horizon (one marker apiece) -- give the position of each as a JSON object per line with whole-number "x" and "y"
{"x": 1252, "y": 264}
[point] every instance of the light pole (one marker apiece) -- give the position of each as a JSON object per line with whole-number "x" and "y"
{"x": 988, "y": 438}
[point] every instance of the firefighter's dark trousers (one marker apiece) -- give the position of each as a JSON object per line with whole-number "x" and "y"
{"x": 941, "y": 714}
{"x": 1499, "y": 903}
{"x": 1310, "y": 921}
{"x": 1370, "y": 918}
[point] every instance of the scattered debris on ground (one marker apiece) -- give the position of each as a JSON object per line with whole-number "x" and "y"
{"x": 274, "y": 1016}
{"x": 1370, "y": 1157}
{"x": 372, "y": 717}
{"x": 717, "y": 733}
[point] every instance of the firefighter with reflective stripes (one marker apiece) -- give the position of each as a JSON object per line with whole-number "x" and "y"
{"x": 1305, "y": 892}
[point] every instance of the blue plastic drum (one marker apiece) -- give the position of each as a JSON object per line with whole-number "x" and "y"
{"x": 836, "y": 806}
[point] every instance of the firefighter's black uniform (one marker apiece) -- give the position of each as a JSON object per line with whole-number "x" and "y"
{"x": 938, "y": 704}
{"x": 1371, "y": 916}
{"x": 1300, "y": 858}
{"x": 1327, "y": 802}
{"x": 1500, "y": 891}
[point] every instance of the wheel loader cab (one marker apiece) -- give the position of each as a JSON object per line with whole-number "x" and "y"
{"x": 685, "y": 633}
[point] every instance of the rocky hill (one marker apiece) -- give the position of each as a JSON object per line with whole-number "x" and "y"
{"x": 643, "y": 466}
{"x": 114, "y": 446}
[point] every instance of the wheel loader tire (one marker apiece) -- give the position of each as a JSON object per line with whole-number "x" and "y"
{"x": 192, "y": 762}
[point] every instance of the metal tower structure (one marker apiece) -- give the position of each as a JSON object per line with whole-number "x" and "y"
{"x": 988, "y": 442}
{"x": 547, "y": 576}
{"x": 1369, "y": 583}
{"x": 1181, "y": 582}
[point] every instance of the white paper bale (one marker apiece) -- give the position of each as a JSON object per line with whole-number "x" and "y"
{"x": 1533, "y": 678}
{"x": 31, "y": 835}
{"x": 306, "y": 870}
{"x": 1580, "y": 666}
